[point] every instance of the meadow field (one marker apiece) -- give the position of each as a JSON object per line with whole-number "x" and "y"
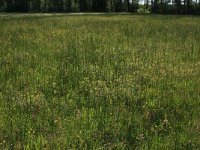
{"x": 99, "y": 82}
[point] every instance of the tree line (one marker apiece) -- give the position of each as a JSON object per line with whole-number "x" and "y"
{"x": 155, "y": 6}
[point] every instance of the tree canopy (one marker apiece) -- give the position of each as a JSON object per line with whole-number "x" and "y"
{"x": 155, "y": 6}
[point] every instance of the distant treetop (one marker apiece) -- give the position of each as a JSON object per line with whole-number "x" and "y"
{"x": 154, "y": 6}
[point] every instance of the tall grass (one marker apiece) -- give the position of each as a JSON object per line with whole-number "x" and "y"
{"x": 100, "y": 82}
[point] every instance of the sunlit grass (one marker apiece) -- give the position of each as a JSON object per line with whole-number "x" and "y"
{"x": 100, "y": 82}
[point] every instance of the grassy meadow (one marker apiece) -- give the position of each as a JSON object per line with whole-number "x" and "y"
{"x": 100, "y": 82}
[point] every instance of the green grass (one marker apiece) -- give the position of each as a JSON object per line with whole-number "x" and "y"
{"x": 100, "y": 82}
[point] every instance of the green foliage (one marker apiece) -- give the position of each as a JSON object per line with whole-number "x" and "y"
{"x": 154, "y": 6}
{"x": 66, "y": 6}
{"x": 99, "y": 82}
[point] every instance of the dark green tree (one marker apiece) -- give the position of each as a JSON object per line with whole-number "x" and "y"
{"x": 75, "y": 5}
{"x": 83, "y": 6}
{"x": 44, "y": 5}
{"x": 2, "y": 5}
{"x": 118, "y": 5}
{"x": 67, "y": 5}
{"x": 99, "y": 5}
{"x": 178, "y": 6}
{"x": 134, "y": 6}
{"x": 110, "y": 5}
{"x": 34, "y": 5}
{"x": 21, "y": 5}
